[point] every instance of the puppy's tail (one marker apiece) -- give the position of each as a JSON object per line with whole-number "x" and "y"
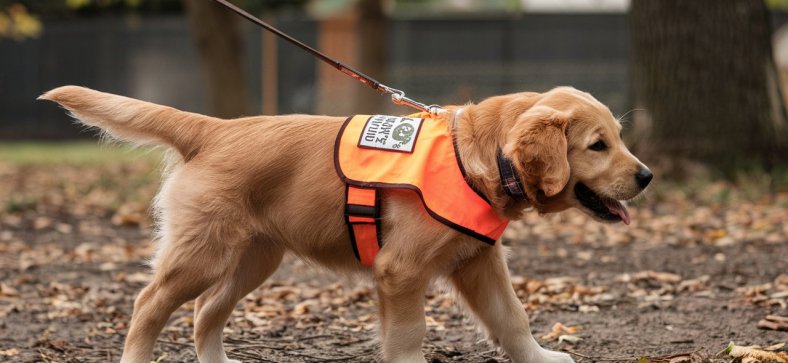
{"x": 134, "y": 120}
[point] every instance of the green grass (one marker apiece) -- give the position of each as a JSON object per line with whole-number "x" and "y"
{"x": 71, "y": 152}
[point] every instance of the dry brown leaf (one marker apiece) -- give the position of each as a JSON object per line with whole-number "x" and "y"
{"x": 560, "y": 329}
{"x": 693, "y": 285}
{"x": 588, "y": 309}
{"x": 64, "y": 228}
{"x": 42, "y": 222}
{"x": 782, "y": 281}
{"x": 571, "y": 339}
{"x": 134, "y": 277}
{"x": 774, "y": 322}
{"x": 7, "y": 290}
{"x": 657, "y": 276}
{"x": 11, "y": 352}
{"x": 755, "y": 352}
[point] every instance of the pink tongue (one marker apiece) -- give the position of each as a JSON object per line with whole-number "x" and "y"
{"x": 617, "y": 208}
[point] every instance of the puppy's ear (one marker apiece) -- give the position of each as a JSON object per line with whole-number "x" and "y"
{"x": 537, "y": 144}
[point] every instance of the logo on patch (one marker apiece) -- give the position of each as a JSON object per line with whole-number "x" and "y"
{"x": 403, "y": 132}
{"x": 390, "y": 133}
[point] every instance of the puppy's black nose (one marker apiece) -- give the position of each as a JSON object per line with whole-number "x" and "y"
{"x": 643, "y": 177}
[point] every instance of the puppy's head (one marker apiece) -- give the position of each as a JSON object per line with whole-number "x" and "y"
{"x": 567, "y": 147}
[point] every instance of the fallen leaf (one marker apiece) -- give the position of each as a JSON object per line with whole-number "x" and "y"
{"x": 693, "y": 285}
{"x": 657, "y": 276}
{"x": 774, "y": 322}
{"x": 755, "y": 352}
{"x": 41, "y": 223}
{"x": 161, "y": 358}
{"x": 571, "y": 339}
{"x": 559, "y": 330}
{"x": 6, "y": 290}
{"x": 11, "y": 352}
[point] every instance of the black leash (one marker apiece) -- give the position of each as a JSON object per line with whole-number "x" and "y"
{"x": 397, "y": 96}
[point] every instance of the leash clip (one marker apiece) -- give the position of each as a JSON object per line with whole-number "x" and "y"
{"x": 398, "y": 98}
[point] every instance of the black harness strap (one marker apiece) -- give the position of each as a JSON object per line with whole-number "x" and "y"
{"x": 362, "y": 215}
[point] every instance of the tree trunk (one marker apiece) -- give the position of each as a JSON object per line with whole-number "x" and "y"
{"x": 270, "y": 71}
{"x": 218, "y": 41}
{"x": 703, "y": 72}
{"x": 337, "y": 93}
{"x": 358, "y": 38}
{"x": 373, "y": 40}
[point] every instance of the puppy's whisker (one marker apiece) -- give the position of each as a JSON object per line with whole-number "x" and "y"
{"x": 621, "y": 118}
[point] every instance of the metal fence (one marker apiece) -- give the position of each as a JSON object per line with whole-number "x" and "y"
{"x": 445, "y": 61}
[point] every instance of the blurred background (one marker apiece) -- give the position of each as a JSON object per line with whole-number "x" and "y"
{"x": 696, "y": 81}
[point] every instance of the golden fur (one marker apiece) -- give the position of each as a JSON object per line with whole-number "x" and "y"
{"x": 240, "y": 193}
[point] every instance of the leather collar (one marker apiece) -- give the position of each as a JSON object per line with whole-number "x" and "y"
{"x": 510, "y": 182}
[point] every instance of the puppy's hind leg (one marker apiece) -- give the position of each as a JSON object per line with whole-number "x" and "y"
{"x": 485, "y": 285}
{"x": 184, "y": 271}
{"x": 214, "y": 306}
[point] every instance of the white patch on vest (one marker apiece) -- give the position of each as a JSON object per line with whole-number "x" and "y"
{"x": 390, "y": 133}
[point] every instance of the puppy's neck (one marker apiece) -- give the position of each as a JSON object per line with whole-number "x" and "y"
{"x": 478, "y": 139}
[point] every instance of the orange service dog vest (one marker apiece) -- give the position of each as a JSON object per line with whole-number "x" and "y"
{"x": 416, "y": 152}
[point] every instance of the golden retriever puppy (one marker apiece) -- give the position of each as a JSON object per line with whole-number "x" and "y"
{"x": 238, "y": 194}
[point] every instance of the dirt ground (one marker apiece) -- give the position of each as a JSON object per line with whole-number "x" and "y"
{"x": 700, "y": 266}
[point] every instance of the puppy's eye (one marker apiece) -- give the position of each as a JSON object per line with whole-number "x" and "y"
{"x": 598, "y": 146}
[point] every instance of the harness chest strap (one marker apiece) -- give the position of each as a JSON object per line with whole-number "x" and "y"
{"x": 362, "y": 215}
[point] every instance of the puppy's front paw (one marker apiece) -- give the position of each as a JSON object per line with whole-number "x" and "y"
{"x": 549, "y": 356}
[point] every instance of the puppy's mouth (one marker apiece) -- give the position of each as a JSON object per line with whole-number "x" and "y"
{"x": 605, "y": 208}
